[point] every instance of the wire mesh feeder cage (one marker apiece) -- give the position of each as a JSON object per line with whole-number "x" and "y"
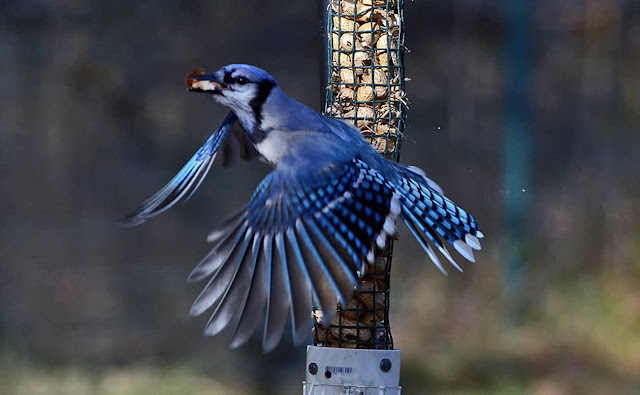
{"x": 365, "y": 86}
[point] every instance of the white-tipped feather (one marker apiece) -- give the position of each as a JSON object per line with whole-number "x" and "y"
{"x": 215, "y": 235}
{"x": 422, "y": 241}
{"x": 358, "y": 181}
{"x": 446, "y": 254}
{"x": 479, "y": 234}
{"x": 395, "y": 206}
{"x": 434, "y": 258}
{"x": 231, "y": 223}
{"x": 208, "y": 266}
{"x": 432, "y": 184}
{"x": 217, "y": 256}
{"x": 418, "y": 171}
{"x": 369, "y": 259}
{"x": 472, "y": 241}
{"x": 389, "y": 224}
{"x": 464, "y": 250}
{"x": 363, "y": 267}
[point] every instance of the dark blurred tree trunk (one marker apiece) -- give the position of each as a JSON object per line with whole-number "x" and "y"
{"x": 516, "y": 151}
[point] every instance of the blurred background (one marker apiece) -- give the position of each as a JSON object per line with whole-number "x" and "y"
{"x": 526, "y": 113}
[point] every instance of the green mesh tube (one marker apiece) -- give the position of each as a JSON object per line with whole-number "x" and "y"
{"x": 364, "y": 85}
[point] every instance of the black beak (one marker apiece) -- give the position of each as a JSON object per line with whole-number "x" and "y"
{"x": 198, "y": 81}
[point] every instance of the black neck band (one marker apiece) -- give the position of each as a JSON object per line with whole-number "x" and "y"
{"x": 264, "y": 88}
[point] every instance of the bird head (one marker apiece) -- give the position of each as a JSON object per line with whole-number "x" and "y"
{"x": 242, "y": 88}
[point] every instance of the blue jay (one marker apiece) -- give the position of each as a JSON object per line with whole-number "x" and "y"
{"x": 313, "y": 222}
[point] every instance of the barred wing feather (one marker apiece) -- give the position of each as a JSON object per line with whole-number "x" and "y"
{"x": 225, "y": 146}
{"x": 296, "y": 239}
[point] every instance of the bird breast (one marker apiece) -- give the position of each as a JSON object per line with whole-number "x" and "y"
{"x": 275, "y": 145}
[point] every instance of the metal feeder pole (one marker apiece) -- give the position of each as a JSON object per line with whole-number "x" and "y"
{"x": 363, "y": 83}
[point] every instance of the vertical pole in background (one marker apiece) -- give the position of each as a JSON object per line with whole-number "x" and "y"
{"x": 362, "y": 81}
{"x": 517, "y": 151}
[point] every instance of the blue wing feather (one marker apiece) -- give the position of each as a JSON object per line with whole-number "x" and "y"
{"x": 426, "y": 210}
{"x": 219, "y": 253}
{"x": 300, "y": 287}
{"x": 235, "y": 292}
{"x": 222, "y": 276}
{"x": 190, "y": 177}
{"x": 252, "y": 306}
{"x": 322, "y": 277}
{"x": 277, "y": 298}
{"x": 316, "y": 232}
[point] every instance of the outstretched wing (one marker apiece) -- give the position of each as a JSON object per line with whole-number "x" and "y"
{"x": 225, "y": 146}
{"x": 428, "y": 213}
{"x": 295, "y": 239}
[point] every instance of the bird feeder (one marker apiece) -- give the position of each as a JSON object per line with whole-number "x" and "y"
{"x": 363, "y": 84}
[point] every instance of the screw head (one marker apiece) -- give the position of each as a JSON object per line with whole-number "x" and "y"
{"x": 313, "y": 368}
{"x": 385, "y": 365}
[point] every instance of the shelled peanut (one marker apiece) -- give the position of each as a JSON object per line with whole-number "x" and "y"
{"x": 365, "y": 84}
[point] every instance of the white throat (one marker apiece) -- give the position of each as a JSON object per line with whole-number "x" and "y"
{"x": 275, "y": 145}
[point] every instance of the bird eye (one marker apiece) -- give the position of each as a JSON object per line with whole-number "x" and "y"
{"x": 241, "y": 80}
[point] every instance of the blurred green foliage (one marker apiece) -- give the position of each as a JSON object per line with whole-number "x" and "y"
{"x": 21, "y": 378}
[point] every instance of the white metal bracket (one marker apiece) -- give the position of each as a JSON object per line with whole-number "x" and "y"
{"x": 341, "y": 371}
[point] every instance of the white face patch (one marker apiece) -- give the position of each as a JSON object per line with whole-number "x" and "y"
{"x": 239, "y": 99}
